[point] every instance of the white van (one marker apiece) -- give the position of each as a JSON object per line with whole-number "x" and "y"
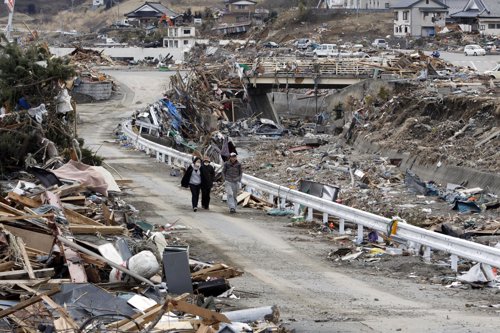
{"x": 326, "y": 50}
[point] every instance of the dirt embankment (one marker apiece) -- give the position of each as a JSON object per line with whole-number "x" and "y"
{"x": 452, "y": 129}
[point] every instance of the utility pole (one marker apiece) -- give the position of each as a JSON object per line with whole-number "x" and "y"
{"x": 10, "y": 4}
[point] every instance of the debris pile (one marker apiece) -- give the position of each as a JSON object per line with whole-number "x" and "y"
{"x": 75, "y": 256}
{"x": 36, "y": 118}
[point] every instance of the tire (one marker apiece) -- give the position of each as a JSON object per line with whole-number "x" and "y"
{"x": 465, "y": 54}
{"x": 475, "y": 54}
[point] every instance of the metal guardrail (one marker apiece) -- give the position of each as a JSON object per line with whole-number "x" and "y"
{"x": 431, "y": 240}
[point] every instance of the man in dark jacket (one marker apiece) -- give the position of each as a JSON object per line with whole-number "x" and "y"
{"x": 207, "y": 181}
{"x": 232, "y": 178}
{"x": 193, "y": 179}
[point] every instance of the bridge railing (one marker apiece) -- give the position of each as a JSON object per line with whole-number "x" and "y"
{"x": 289, "y": 67}
{"x": 429, "y": 239}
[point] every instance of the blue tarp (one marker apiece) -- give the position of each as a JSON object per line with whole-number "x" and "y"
{"x": 174, "y": 114}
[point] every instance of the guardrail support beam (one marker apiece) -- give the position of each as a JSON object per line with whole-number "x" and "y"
{"x": 271, "y": 199}
{"x": 309, "y": 214}
{"x": 427, "y": 253}
{"x": 325, "y": 218}
{"x": 282, "y": 203}
{"x": 359, "y": 238}
{"x": 341, "y": 226}
{"x": 454, "y": 262}
{"x": 296, "y": 208}
{"x": 169, "y": 160}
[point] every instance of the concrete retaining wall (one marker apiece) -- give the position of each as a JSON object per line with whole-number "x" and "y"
{"x": 97, "y": 91}
{"x": 442, "y": 175}
{"x": 297, "y": 105}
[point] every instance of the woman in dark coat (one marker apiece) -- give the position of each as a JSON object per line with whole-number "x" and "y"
{"x": 207, "y": 181}
{"x": 193, "y": 179}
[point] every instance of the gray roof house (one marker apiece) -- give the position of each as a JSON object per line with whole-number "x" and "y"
{"x": 418, "y": 17}
{"x": 151, "y": 12}
{"x": 481, "y": 16}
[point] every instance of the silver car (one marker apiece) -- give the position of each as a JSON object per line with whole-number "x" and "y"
{"x": 474, "y": 50}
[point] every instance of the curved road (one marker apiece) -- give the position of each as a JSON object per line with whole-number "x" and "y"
{"x": 281, "y": 266}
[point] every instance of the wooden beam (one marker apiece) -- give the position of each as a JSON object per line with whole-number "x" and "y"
{"x": 53, "y": 305}
{"x": 26, "y": 259}
{"x": 77, "y": 218}
{"x": 28, "y": 302}
{"x": 141, "y": 320}
{"x": 23, "y": 217}
{"x": 23, "y": 274}
{"x": 78, "y": 229}
{"x": 5, "y": 266}
{"x": 25, "y": 201}
{"x": 199, "y": 311}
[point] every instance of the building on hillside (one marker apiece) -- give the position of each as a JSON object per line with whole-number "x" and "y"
{"x": 359, "y": 4}
{"x": 180, "y": 37}
{"x": 238, "y": 16}
{"x": 152, "y": 13}
{"x": 479, "y": 16}
{"x": 419, "y": 18}
{"x": 238, "y": 11}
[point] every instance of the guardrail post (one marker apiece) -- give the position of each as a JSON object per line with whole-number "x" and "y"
{"x": 341, "y": 226}
{"x": 147, "y": 150}
{"x": 325, "y": 218}
{"x": 163, "y": 157}
{"x": 296, "y": 208}
{"x": 309, "y": 214}
{"x": 158, "y": 158}
{"x": 169, "y": 160}
{"x": 359, "y": 238}
{"x": 454, "y": 262}
{"x": 271, "y": 198}
{"x": 282, "y": 203}
{"x": 427, "y": 254}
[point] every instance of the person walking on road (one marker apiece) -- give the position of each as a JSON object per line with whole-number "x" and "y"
{"x": 232, "y": 178}
{"x": 193, "y": 179}
{"x": 207, "y": 181}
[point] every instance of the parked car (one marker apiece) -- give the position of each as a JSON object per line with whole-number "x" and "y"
{"x": 271, "y": 45}
{"x": 302, "y": 43}
{"x": 380, "y": 44}
{"x": 326, "y": 50}
{"x": 494, "y": 73}
{"x": 474, "y": 50}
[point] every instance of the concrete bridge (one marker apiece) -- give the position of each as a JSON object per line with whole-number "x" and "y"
{"x": 324, "y": 73}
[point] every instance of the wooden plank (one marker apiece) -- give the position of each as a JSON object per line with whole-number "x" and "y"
{"x": 5, "y": 266}
{"x": 77, "y": 218}
{"x": 23, "y": 217}
{"x": 28, "y": 302}
{"x": 67, "y": 318}
{"x": 66, "y": 190}
{"x": 23, "y": 326}
{"x": 123, "y": 322}
{"x": 23, "y": 274}
{"x": 26, "y": 259}
{"x": 94, "y": 229}
{"x": 34, "y": 282}
{"x": 25, "y": 201}
{"x": 37, "y": 240}
{"x": 9, "y": 209}
{"x": 198, "y": 311}
{"x": 78, "y": 199}
{"x": 141, "y": 320}
{"x": 204, "y": 271}
{"x": 242, "y": 196}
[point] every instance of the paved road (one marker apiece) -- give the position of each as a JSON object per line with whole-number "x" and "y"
{"x": 479, "y": 63}
{"x": 313, "y": 295}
